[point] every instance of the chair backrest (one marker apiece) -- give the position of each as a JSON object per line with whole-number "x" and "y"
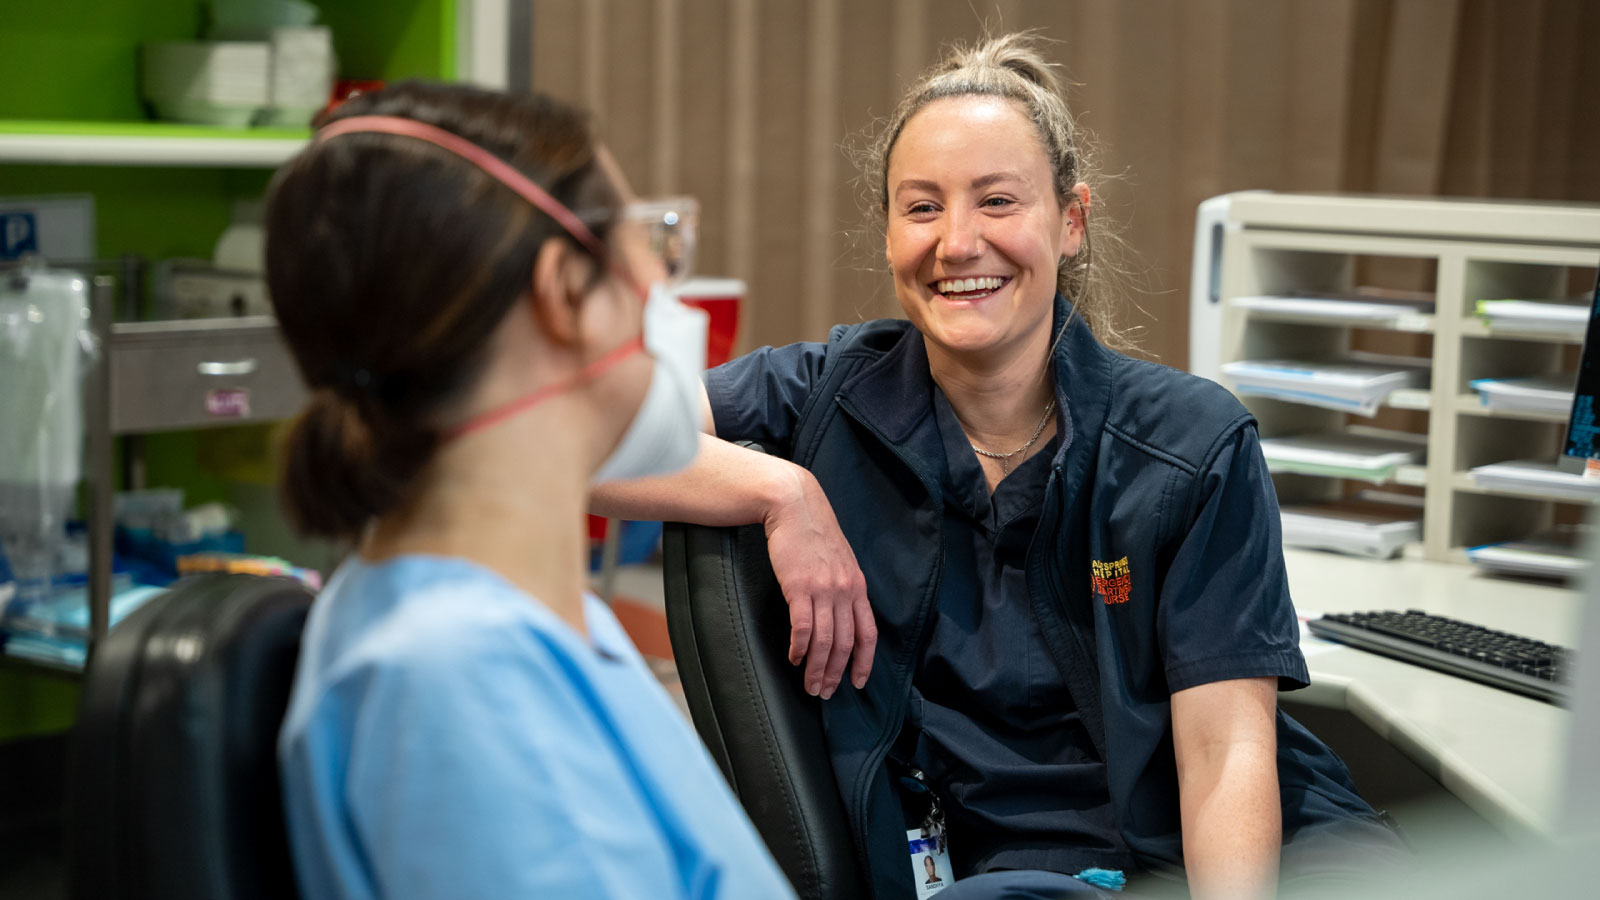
{"x": 729, "y": 626}
{"x": 173, "y": 789}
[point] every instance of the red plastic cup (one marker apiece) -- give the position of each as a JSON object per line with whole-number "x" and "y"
{"x": 721, "y": 299}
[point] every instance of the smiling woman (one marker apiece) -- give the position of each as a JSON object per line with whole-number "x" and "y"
{"x": 1072, "y": 557}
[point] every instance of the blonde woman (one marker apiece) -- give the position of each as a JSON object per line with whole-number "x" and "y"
{"x": 1066, "y": 561}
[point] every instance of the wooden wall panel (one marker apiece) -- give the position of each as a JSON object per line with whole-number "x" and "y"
{"x": 667, "y": 96}
{"x": 557, "y": 54}
{"x": 743, "y": 161}
{"x": 704, "y": 110}
{"x": 869, "y": 86}
{"x": 1408, "y": 147}
{"x": 1559, "y": 84}
{"x": 1514, "y": 97}
{"x": 1465, "y": 170}
{"x": 629, "y": 118}
{"x": 821, "y": 174}
{"x": 1583, "y": 149}
{"x": 749, "y": 105}
{"x": 1144, "y": 73}
{"x": 1319, "y": 98}
{"x": 778, "y": 297}
{"x": 910, "y": 48}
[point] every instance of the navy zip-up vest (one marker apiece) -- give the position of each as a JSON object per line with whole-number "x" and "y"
{"x": 1124, "y": 487}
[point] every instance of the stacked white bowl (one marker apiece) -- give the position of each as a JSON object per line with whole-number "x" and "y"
{"x": 208, "y": 82}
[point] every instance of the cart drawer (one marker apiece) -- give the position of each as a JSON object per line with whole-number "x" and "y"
{"x": 195, "y": 373}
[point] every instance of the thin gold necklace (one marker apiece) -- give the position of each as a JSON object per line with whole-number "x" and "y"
{"x": 1005, "y": 458}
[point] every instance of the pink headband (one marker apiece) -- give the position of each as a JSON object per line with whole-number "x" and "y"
{"x": 494, "y": 166}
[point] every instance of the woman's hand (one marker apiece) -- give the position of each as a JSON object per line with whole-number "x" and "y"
{"x": 827, "y": 594}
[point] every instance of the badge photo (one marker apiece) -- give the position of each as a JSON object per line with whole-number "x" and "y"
{"x": 930, "y": 861}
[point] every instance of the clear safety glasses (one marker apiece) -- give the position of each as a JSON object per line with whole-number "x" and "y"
{"x": 668, "y": 225}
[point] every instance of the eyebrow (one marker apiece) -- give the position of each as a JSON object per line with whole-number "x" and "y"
{"x": 982, "y": 181}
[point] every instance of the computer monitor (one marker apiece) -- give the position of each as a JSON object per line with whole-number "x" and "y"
{"x": 1583, "y": 424}
{"x": 1582, "y": 794}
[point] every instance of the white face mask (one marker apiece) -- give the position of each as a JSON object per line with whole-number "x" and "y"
{"x": 664, "y": 435}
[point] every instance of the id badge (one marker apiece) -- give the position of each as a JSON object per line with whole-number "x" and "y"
{"x": 930, "y": 860}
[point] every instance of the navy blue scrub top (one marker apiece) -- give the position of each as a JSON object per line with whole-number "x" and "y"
{"x": 991, "y": 723}
{"x": 1222, "y": 615}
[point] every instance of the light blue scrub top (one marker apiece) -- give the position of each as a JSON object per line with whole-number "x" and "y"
{"x": 451, "y": 737}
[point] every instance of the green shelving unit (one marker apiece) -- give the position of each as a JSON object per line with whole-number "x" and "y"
{"x": 72, "y": 122}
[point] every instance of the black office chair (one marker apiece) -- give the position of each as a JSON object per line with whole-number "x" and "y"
{"x": 729, "y": 627}
{"x": 174, "y": 779}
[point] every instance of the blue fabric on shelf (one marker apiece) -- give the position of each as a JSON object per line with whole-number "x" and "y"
{"x": 28, "y": 632}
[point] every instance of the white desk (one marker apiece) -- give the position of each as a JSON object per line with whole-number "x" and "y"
{"x": 1501, "y": 753}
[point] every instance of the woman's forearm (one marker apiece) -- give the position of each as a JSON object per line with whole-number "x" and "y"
{"x": 1232, "y": 828}
{"x": 1225, "y": 741}
{"x": 725, "y": 485}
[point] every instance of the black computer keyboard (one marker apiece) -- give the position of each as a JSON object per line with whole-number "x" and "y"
{"x": 1496, "y": 658}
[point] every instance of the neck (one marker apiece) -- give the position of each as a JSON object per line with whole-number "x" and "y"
{"x": 481, "y": 500}
{"x": 998, "y": 400}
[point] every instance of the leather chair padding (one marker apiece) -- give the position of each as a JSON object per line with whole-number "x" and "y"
{"x": 174, "y": 790}
{"x": 729, "y": 626}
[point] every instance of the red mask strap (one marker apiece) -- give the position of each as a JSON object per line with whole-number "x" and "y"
{"x": 590, "y": 372}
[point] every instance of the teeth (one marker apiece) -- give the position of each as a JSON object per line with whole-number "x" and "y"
{"x": 967, "y": 285}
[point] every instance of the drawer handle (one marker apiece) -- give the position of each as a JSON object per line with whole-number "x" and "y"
{"x": 237, "y": 367}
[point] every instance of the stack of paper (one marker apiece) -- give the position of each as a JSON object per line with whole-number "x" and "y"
{"x": 1536, "y": 477}
{"x": 1374, "y": 524}
{"x": 1365, "y": 306}
{"x": 207, "y": 82}
{"x": 1540, "y": 393}
{"x": 1359, "y": 384}
{"x": 1560, "y": 317}
{"x": 1360, "y": 454}
{"x": 1559, "y": 553}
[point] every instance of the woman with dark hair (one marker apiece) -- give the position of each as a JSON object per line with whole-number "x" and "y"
{"x": 1078, "y": 603}
{"x": 455, "y": 274}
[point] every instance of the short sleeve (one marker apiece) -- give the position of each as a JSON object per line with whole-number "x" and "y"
{"x": 759, "y": 396}
{"x": 478, "y": 779}
{"x": 1225, "y": 610}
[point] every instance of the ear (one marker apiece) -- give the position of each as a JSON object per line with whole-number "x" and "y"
{"x": 561, "y": 275}
{"x": 1075, "y": 219}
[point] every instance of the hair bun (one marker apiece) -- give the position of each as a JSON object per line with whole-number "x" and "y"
{"x": 339, "y": 472}
{"x": 1018, "y": 52}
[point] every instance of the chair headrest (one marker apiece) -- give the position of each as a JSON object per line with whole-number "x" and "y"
{"x": 174, "y": 788}
{"x": 729, "y": 625}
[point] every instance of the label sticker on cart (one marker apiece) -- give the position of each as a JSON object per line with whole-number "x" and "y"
{"x": 228, "y": 403}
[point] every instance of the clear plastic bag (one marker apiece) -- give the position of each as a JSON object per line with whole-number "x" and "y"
{"x": 46, "y": 347}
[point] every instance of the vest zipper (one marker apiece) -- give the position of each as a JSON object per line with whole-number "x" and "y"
{"x": 896, "y": 720}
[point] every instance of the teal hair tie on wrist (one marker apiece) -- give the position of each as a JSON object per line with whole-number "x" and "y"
{"x": 1110, "y": 879}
